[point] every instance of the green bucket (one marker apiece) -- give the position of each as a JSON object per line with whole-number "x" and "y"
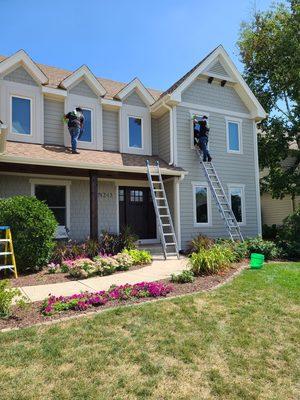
{"x": 257, "y": 260}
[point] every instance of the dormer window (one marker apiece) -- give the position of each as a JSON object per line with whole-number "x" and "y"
{"x": 135, "y": 132}
{"x": 87, "y": 131}
{"x": 21, "y": 115}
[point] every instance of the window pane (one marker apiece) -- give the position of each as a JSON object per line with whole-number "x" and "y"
{"x": 86, "y": 135}
{"x": 121, "y": 194}
{"x": 54, "y": 196}
{"x": 60, "y": 215}
{"x": 233, "y": 129}
{"x": 201, "y": 205}
{"x": 135, "y": 132}
{"x": 236, "y": 203}
{"x": 21, "y": 116}
{"x": 136, "y": 196}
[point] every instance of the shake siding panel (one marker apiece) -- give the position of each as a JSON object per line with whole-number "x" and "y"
{"x": 134, "y": 99}
{"x": 53, "y": 125}
{"x": 110, "y": 130}
{"x": 20, "y": 75}
{"x": 83, "y": 89}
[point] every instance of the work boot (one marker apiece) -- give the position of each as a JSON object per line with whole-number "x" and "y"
{"x": 209, "y": 159}
{"x": 75, "y": 152}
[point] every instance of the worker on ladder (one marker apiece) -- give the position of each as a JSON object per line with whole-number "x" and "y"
{"x": 201, "y": 132}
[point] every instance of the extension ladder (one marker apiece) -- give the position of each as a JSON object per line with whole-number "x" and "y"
{"x": 221, "y": 199}
{"x": 8, "y": 252}
{"x": 162, "y": 212}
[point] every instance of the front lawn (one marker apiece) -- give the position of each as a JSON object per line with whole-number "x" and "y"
{"x": 238, "y": 342}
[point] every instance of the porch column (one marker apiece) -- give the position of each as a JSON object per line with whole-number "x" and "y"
{"x": 176, "y": 194}
{"x": 93, "y": 206}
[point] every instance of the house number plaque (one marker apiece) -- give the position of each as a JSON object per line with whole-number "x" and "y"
{"x": 105, "y": 195}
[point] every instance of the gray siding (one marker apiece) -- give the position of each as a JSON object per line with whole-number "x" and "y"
{"x": 79, "y": 210}
{"x": 218, "y": 69}
{"x": 107, "y": 207}
{"x": 154, "y": 136}
{"x": 20, "y": 75}
{"x": 13, "y": 186}
{"x": 213, "y": 95}
{"x": 231, "y": 168}
{"x": 83, "y": 89}
{"x": 134, "y": 99}
{"x": 53, "y": 125}
{"x": 110, "y": 130}
{"x": 164, "y": 137}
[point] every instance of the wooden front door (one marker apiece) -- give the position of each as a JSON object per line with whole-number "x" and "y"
{"x": 136, "y": 211}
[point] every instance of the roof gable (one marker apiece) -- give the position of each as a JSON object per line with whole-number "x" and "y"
{"x": 83, "y": 73}
{"x": 21, "y": 58}
{"x": 134, "y": 99}
{"x": 217, "y": 69}
{"x": 141, "y": 90}
{"x": 20, "y": 75}
{"x": 81, "y": 88}
{"x": 241, "y": 87}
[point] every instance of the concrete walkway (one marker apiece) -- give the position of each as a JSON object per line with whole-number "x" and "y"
{"x": 159, "y": 269}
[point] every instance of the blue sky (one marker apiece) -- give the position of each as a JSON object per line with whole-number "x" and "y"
{"x": 155, "y": 40}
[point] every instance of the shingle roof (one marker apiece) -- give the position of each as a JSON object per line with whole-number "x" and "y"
{"x": 87, "y": 159}
{"x": 56, "y": 75}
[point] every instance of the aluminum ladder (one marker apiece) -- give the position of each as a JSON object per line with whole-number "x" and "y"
{"x": 162, "y": 211}
{"x": 8, "y": 251}
{"x": 220, "y": 197}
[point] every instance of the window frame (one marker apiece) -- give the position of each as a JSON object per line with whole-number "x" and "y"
{"x": 239, "y": 123}
{"x": 128, "y": 132}
{"x": 80, "y": 142}
{"x": 61, "y": 231}
{"x": 198, "y": 114}
{"x": 11, "y": 115}
{"x": 207, "y": 224}
{"x": 232, "y": 186}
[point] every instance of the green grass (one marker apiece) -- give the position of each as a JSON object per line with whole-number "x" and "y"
{"x": 239, "y": 342}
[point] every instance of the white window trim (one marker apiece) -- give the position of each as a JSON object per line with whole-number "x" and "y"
{"x": 142, "y": 128}
{"x": 92, "y": 127}
{"x": 53, "y": 182}
{"x": 200, "y": 114}
{"x": 239, "y": 122}
{"x": 138, "y": 112}
{"x": 10, "y": 89}
{"x": 21, "y": 135}
{"x": 74, "y": 100}
{"x": 242, "y": 187}
{"x": 209, "y": 210}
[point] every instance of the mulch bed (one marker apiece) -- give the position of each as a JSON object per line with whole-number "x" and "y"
{"x": 31, "y": 314}
{"x": 43, "y": 277}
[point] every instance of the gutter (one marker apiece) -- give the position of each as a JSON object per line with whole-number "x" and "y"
{"x": 171, "y": 134}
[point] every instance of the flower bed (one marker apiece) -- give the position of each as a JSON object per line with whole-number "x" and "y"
{"x": 83, "y": 301}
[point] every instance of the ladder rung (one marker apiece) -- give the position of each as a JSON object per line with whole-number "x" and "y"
{"x": 165, "y": 225}
{"x": 158, "y": 190}
{"x": 4, "y": 240}
{"x": 6, "y": 267}
{"x": 164, "y": 215}
{"x": 170, "y": 244}
{"x": 162, "y": 207}
{"x": 5, "y": 253}
{"x": 172, "y": 254}
{"x": 154, "y": 174}
{"x": 168, "y": 234}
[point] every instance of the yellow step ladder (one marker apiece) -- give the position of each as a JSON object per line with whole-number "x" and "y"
{"x": 7, "y": 250}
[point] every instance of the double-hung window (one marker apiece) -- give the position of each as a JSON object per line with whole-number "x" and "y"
{"x": 86, "y": 135}
{"x": 201, "y": 204}
{"x": 135, "y": 132}
{"x": 21, "y": 115}
{"x": 237, "y": 202}
{"x": 234, "y": 136}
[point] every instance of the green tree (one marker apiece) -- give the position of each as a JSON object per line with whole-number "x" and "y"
{"x": 270, "y": 49}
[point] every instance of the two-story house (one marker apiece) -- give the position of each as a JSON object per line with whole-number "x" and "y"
{"x": 105, "y": 186}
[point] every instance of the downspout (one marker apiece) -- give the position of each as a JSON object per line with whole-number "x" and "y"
{"x": 171, "y": 134}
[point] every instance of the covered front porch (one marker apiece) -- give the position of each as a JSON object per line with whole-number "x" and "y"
{"x": 103, "y": 190}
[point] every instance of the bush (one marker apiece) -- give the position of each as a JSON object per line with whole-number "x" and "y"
{"x": 33, "y": 226}
{"x": 83, "y": 268}
{"x": 139, "y": 257}
{"x": 113, "y": 244}
{"x": 198, "y": 243}
{"x": 124, "y": 260}
{"x": 270, "y": 232}
{"x": 289, "y": 236}
{"x": 265, "y": 247}
{"x": 185, "y": 276}
{"x": 7, "y": 296}
{"x": 213, "y": 260}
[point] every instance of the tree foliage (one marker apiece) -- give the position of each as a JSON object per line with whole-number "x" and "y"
{"x": 270, "y": 50}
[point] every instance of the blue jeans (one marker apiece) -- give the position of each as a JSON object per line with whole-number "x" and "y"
{"x": 203, "y": 145}
{"x": 74, "y": 132}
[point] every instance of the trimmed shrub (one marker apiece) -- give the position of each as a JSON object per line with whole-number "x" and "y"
{"x": 185, "y": 276}
{"x": 139, "y": 257}
{"x": 198, "y": 243}
{"x": 211, "y": 261}
{"x": 265, "y": 247}
{"x": 33, "y": 226}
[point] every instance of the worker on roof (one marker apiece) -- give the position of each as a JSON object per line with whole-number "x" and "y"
{"x": 201, "y": 132}
{"x": 75, "y": 125}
